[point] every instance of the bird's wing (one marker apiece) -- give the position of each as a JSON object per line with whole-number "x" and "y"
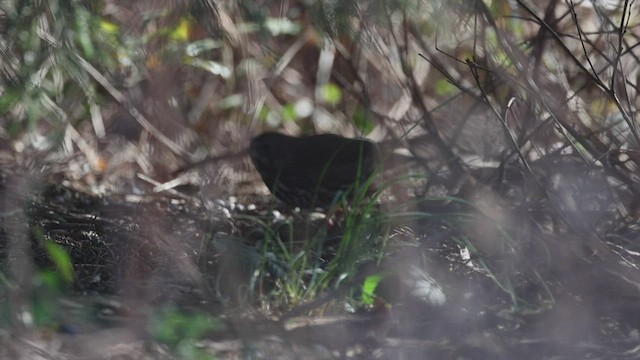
{"x": 332, "y": 157}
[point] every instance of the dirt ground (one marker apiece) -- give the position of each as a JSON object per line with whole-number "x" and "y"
{"x": 136, "y": 257}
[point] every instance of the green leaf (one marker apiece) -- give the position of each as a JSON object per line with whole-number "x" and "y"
{"x": 369, "y": 288}
{"x": 289, "y": 112}
{"x": 83, "y": 33}
{"x": 364, "y": 125}
{"x": 445, "y": 88}
{"x": 8, "y": 100}
{"x": 263, "y": 114}
{"x": 181, "y": 32}
{"x": 61, "y": 259}
{"x": 174, "y": 328}
{"x": 331, "y": 93}
{"x": 109, "y": 27}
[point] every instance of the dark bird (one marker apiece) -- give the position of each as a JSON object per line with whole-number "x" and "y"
{"x": 313, "y": 171}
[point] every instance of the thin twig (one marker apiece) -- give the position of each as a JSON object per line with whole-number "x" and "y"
{"x": 141, "y": 119}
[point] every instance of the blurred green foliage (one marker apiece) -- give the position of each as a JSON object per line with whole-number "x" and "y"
{"x": 181, "y": 331}
{"x": 40, "y": 72}
{"x": 369, "y": 287}
{"x": 61, "y": 259}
